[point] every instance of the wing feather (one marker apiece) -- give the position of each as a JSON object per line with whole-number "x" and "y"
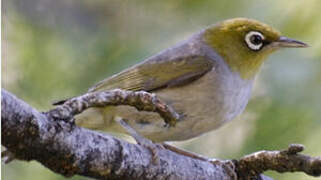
{"x": 157, "y": 72}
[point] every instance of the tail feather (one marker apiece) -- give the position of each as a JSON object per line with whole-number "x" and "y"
{"x": 60, "y": 102}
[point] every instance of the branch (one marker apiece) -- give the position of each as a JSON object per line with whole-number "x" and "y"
{"x": 281, "y": 161}
{"x": 141, "y": 100}
{"x": 69, "y": 150}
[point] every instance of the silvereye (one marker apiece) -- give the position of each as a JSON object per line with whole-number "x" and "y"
{"x": 207, "y": 79}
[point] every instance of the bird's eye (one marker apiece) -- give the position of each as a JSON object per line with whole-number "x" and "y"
{"x": 254, "y": 40}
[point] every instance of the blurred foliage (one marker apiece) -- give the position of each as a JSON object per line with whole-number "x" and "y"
{"x": 57, "y": 49}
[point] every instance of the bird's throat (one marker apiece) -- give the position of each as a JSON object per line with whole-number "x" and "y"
{"x": 246, "y": 68}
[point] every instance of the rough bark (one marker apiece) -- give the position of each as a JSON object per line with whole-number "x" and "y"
{"x": 288, "y": 160}
{"x": 53, "y": 140}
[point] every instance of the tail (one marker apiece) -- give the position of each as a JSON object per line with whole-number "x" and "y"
{"x": 60, "y": 102}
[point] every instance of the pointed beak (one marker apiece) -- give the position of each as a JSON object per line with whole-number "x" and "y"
{"x": 289, "y": 43}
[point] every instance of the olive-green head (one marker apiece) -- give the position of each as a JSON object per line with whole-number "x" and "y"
{"x": 245, "y": 43}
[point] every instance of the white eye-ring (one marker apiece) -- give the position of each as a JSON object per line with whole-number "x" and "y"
{"x": 254, "y": 40}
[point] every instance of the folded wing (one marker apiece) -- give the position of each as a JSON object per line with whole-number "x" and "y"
{"x": 157, "y": 72}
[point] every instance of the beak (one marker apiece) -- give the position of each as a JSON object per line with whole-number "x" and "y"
{"x": 288, "y": 43}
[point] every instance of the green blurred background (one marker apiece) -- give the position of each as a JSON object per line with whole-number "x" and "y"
{"x": 57, "y": 49}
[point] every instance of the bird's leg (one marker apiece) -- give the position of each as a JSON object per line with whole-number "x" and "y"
{"x": 227, "y": 164}
{"x": 141, "y": 140}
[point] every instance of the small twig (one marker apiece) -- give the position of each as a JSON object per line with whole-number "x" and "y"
{"x": 281, "y": 161}
{"x": 141, "y": 100}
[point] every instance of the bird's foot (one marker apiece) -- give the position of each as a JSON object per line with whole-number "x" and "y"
{"x": 153, "y": 103}
{"x": 152, "y": 147}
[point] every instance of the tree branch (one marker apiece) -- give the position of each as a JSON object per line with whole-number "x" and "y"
{"x": 141, "y": 100}
{"x": 281, "y": 161}
{"x": 70, "y": 150}
{"x": 67, "y": 149}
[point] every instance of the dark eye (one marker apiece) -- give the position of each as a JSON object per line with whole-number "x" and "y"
{"x": 254, "y": 40}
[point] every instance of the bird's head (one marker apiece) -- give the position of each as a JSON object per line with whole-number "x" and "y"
{"x": 244, "y": 44}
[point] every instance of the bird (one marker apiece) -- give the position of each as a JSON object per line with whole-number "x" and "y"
{"x": 207, "y": 79}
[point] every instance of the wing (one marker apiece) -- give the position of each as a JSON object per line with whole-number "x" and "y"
{"x": 158, "y": 72}
{"x": 172, "y": 67}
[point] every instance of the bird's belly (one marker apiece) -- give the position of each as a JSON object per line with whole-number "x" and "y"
{"x": 204, "y": 105}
